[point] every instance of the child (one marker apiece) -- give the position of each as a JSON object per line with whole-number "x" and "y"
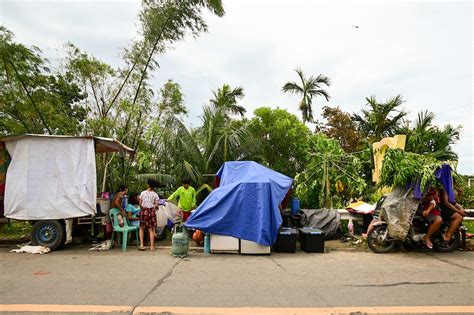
{"x": 429, "y": 210}
{"x": 148, "y": 203}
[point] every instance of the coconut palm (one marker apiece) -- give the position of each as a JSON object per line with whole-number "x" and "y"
{"x": 226, "y": 98}
{"x": 309, "y": 88}
{"x": 425, "y": 138}
{"x": 381, "y": 119}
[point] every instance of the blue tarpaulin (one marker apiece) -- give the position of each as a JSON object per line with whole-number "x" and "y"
{"x": 245, "y": 205}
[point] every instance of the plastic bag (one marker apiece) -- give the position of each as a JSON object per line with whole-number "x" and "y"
{"x": 397, "y": 211}
{"x": 172, "y": 212}
{"x": 161, "y": 218}
{"x": 198, "y": 237}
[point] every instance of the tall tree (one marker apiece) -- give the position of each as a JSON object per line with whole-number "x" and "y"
{"x": 380, "y": 119}
{"x": 339, "y": 126}
{"x": 32, "y": 98}
{"x": 163, "y": 23}
{"x": 281, "y": 139}
{"x": 226, "y": 98}
{"x": 331, "y": 177}
{"x": 308, "y": 89}
{"x": 423, "y": 137}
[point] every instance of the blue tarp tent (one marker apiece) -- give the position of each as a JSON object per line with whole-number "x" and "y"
{"x": 245, "y": 205}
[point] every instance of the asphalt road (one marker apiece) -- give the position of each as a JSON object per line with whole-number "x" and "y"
{"x": 135, "y": 280}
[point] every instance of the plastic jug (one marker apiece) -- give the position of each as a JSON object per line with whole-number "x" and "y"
{"x": 295, "y": 206}
{"x": 179, "y": 241}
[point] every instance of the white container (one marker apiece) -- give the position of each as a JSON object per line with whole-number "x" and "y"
{"x": 221, "y": 243}
{"x": 249, "y": 247}
{"x": 104, "y": 204}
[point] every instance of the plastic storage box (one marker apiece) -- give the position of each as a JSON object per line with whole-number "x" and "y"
{"x": 286, "y": 241}
{"x": 311, "y": 240}
{"x": 252, "y": 248}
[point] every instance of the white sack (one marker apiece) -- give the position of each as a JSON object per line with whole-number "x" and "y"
{"x": 50, "y": 178}
{"x": 32, "y": 250}
{"x": 172, "y": 212}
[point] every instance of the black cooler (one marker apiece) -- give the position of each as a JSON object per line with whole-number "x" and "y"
{"x": 311, "y": 240}
{"x": 286, "y": 241}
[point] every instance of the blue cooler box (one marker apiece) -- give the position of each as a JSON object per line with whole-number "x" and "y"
{"x": 311, "y": 240}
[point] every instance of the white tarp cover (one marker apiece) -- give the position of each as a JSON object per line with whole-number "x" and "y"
{"x": 50, "y": 178}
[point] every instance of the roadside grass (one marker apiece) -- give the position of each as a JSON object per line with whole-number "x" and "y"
{"x": 15, "y": 230}
{"x": 470, "y": 226}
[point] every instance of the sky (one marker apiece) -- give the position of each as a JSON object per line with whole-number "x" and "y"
{"x": 420, "y": 49}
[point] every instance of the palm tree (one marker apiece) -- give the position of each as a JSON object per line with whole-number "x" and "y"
{"x": 226, "y": 99}
{"x": 381, "y": 119}
{"x": 309, "y": 88}
{"x": 425, "y": 138}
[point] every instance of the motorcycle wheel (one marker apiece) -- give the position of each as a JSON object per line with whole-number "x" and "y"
{"x": 440, "y": 245}
{"x": 375, "y": 242}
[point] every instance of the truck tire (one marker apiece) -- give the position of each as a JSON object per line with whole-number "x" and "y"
{"x": 48, "y": 233}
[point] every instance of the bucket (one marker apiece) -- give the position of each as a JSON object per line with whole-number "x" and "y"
{"x": 104, "y": 205}
{"x": 295, "y": 206}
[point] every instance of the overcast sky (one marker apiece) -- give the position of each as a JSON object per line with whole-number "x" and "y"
{"x": 419, "y": 49}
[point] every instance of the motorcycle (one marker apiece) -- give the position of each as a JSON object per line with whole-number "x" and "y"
{"x": 381, "y": 240}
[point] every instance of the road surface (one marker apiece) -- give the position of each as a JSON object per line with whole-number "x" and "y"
{"x": 75, "y": 279}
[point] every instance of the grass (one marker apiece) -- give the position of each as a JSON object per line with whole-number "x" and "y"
{"x": 470, "y": 226}
{"x": 16, "y": 230}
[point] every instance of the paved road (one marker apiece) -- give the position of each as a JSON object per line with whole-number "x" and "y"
{"x": 136, "y": 279}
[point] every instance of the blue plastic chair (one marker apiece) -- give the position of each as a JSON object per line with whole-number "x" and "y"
{"x": 124, "y": 230}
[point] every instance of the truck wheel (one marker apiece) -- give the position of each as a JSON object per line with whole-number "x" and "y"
{"x": 48, "y": 233}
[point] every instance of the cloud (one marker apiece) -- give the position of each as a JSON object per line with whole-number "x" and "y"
{"x": 422, "y": 50}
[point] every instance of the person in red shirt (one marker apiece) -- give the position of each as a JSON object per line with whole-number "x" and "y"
{"x": 429, "y": 210}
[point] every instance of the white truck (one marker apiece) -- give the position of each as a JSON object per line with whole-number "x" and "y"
{"x": 50, "y": 179}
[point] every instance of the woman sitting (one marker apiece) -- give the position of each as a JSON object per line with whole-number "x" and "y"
{"x": 133, "y": 210}
{"x": 429, "y": 210}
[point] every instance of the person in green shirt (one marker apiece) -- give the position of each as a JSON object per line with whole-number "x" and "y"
{"x": 186, "y": 199}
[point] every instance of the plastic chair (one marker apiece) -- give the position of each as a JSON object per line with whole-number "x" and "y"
{"x": 124, "y": 230}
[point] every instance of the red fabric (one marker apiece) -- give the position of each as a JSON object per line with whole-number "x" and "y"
{"x": 148, "y": 218}
{"x": 217, "y": 181}
{"x": 186, "y": 215}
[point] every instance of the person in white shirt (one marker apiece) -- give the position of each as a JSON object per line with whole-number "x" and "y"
{"x": 148, "y": 203}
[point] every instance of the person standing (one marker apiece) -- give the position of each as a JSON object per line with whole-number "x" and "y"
{"x": 148, "y": 204}
{"x": 186, "y": 199}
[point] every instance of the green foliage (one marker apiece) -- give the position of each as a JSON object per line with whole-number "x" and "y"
{"x": 425, "y": 138}
{"x": 401, "y": 168}
{"x": 32, "y": 99}
{"x": 171, "y": 101}
{"x": 15, "y": 230}
{"x": 340, "y": 126}
{"x": 281, "y": 139}
{"x": 381, "y": 119}
{"x": 331, "y": 177}
{"x": 308, "y": 89}
{"x": 226, "y": 99}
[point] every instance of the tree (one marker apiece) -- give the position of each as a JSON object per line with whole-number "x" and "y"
{"x": 381, "y": 119}
{"x": 425, "y": 138}
{"x": 331, "y": 176}
{"x": 171, "y": 100}
{"x": 32, "y": 99}
{"x": 281, "y": 139}
{"x": 340, "y": 126}
{"x": 308, "y": 89}
{"x": 164, "y": 22}
{"x": 226, "y": 99}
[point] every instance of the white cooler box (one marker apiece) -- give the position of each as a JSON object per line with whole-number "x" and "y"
{"x": 221, "y": 243}
{"x": 249, "y": 247}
